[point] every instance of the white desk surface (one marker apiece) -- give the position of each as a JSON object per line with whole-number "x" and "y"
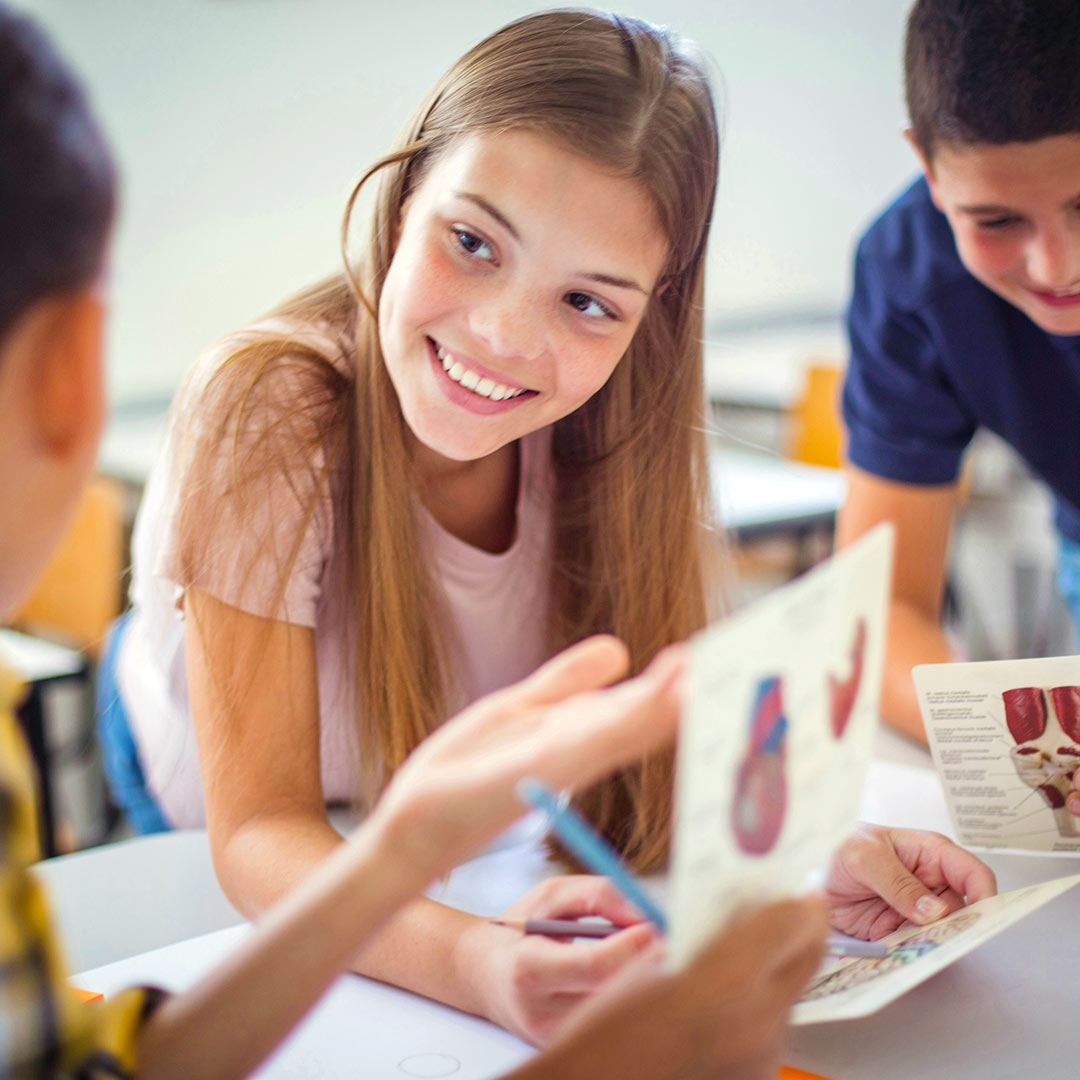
{"x": 765, "y": 368}
{"x": 759, "y": 492}
{"x": 1003, "y": 1012}
{"x": 33, "y": 659}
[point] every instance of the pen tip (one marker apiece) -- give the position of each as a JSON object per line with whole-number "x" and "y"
{"x": 528, "y": 789}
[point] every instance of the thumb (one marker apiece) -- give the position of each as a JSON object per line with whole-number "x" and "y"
{"x": 905, "y": 893}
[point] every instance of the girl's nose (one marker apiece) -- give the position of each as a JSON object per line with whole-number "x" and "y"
{"x": 509, "y": 324}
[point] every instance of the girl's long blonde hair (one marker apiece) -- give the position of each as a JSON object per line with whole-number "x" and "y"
{"x": 634, "y": 551}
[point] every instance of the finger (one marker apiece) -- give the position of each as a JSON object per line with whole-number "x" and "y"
{"x": 589, "y": 665}
{"x": 599, "y": 732}
{"x": 1073, "y": 803}
{"x": 575, "y": 896}
{"x": 554, "y": 967}
{"x": 879, "y": 868}
{"x": 952, "y": 900}
{"x": 964, "y": 873}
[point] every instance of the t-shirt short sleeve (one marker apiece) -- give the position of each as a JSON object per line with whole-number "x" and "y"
{"x": 903, "y": 419}
{"x": 250, "y": 519}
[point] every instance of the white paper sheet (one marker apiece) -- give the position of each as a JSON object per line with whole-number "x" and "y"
{"x": 781, "y": 710}
{"x": 360, "y": 1028}
{"x": 1005, "y": 738}
{"x": 850, "y": 988}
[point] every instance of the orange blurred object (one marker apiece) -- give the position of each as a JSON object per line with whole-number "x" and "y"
{"x": 815, "y": 430}
{"x": 78, "y": 594}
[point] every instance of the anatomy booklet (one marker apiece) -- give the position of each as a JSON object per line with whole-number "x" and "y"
{"x": 782, "y": 704}
{"x": 1005, "y": 736}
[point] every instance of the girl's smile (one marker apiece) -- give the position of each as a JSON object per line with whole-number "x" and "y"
{"x": 472, "y": 385}
{"x": 520, "y": 274}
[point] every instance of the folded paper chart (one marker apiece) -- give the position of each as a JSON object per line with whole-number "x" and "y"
{"x": 848, "y": 988}
{"x": 1005, "y": 736}
{"x": 781, "y": 709}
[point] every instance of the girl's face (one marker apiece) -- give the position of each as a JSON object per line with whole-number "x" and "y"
{"x": 520, "y": 274}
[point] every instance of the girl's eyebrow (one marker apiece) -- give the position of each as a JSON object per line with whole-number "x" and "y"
{"x": 504, "y": 221}
{"x": 618, "y": 282}
{"x": 484, "y": 205}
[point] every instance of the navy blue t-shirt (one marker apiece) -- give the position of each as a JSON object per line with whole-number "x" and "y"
{"x": 936, "y": 355}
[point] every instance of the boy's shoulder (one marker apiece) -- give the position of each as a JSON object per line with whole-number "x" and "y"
{"x": 910, "y": 250}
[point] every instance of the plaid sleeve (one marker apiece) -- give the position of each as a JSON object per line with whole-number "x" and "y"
{"x": 45, "y": 1031}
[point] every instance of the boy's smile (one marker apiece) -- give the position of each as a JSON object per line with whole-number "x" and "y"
{"x": 520, "y": 275}
{"x": 1015, "y": 214}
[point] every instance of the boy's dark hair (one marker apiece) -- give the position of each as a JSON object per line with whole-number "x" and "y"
{"x": 992, "y": 71}
{"x": 57, "y": 184}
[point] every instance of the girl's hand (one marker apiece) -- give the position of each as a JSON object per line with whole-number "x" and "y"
{"x": 457, "y": 790}
{"x": 531, "y": 983}
{"x": 724, "y": 1015}
{"x": 882, "y": 878}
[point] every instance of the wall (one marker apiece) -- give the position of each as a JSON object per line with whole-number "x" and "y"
{"x": 239, "y": 124}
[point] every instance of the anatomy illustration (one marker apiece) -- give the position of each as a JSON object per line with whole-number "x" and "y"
{"x": 918, "y": 943}
{"x": 1045, "y": 724}
{"x": 757, "y": 812}
{"x": 842, "y": 694}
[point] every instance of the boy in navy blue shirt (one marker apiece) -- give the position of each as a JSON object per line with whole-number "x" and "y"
{"x": 966, "y": 304}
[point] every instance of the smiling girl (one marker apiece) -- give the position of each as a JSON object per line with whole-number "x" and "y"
{"x": 412, "y": 483}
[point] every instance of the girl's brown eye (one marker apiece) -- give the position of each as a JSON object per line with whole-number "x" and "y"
{"x": 589, "y": 305}
{"x": 472, "y": 244}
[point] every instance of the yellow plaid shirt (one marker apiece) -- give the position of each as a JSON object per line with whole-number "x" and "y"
{"x": 45, "y": 1031}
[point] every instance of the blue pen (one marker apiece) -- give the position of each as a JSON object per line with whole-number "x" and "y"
{"x": 590, "y": 848}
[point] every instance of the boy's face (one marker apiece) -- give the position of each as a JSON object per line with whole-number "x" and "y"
{"x": 51, "y": 414}
{"x": 1015, "y": 214}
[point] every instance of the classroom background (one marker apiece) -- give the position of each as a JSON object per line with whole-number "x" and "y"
{"x": 239, "y": 126}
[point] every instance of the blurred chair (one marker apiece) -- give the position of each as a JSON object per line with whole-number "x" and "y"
{"x": 815, "y": 429}
{"x": 73, "y": 602}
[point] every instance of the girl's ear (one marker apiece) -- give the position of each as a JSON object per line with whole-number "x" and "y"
{"x": 662, "y": 288}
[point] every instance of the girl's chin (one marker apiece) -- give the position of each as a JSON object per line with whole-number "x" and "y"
{"x": 456, "y": 445}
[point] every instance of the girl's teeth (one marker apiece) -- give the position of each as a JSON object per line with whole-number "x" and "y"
{"x": 471, "y": 381}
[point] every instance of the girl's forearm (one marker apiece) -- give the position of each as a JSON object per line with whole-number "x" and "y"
{"x": 427, "y": 947}
{"x": 267, "y": 986}
{"x": 324, "y": 899}
{"x": 434, "y": 950}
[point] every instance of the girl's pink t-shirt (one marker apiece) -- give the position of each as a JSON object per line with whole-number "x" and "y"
{"x": 497, "y": 602}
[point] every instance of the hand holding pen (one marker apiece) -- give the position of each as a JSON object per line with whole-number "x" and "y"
{"x": 598, "y": 856}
